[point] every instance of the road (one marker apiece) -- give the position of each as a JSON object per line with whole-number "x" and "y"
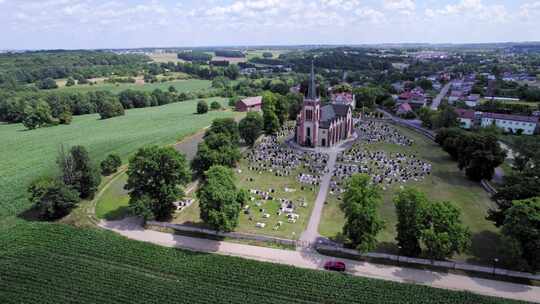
{"x": 307, "y": 258}
{"x": 437, "y": 101}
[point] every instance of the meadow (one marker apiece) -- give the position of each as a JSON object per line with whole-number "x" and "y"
{"x": 446, "y": 183}
{"x": 56, "y": 263}
{"x": 29, "y": 154}
{"x": 189, "y": 85}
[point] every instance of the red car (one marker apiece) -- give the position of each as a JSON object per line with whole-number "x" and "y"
{"x": 334, "y": 266}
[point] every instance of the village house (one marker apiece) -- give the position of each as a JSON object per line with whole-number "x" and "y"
{"x": 416, "y": 98}
{"x": 511, "y": 123}
{"x": 526, "y": 125}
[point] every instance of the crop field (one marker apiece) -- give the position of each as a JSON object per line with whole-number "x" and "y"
{"x": 54, "y": 263}
{"x": 29, "y": 154}
{"x": 446, "y": 183}
{"x": 190, "y": 85}
{"x": 165, "y": 57}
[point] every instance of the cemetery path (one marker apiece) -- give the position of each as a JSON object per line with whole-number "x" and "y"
{"x": 310, "y": 235}
{"x": 307, "y": 258}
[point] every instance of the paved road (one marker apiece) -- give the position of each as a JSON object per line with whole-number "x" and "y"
{"x": 310, "y": 235}
{"x": 308, "y": 259}
{"x": 437, "y": 101}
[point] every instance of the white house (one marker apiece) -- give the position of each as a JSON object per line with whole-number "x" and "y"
{"x": 511, "y": 123}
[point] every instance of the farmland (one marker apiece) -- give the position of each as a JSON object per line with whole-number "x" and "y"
{"x": 29, "y": 154}
{"x": 446, "y": 183}
{"x": 190, "y": 85}
{"x": 54, "y": 263}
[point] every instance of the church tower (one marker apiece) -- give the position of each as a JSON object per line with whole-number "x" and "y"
{"x": 309, "y": 118}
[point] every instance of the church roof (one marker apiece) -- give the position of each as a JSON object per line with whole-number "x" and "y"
{"x": 331, "y": 112}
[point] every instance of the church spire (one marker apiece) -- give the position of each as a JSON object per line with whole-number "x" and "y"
{"x": 312, "y": 90}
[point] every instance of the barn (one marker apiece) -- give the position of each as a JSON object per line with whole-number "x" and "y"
{"x": 250, "y": 104}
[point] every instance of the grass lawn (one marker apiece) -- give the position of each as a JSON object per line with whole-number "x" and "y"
{"x": 446, "y": 183}
{"x": 29, "y": 154}
{"x": 190, "y": 85}
{"x": 114, "y": 201}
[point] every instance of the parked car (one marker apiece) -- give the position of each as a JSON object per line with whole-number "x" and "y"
{"x": 334, "y": 266}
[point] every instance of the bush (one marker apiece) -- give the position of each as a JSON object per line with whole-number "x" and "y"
{"x": 202, "y": 107}
{"x": 47, "y": 84}
{"x": 110, "y": 109}
{"x": 215, "y": 105}
{"x": 52, "y": 198}
{"x": 110, "y": 164}
{"x": 65, "y": 118}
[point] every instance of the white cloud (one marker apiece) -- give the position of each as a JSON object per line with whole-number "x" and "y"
{"x": 530, "y": 9}
{"x": 407, "y": 5}
{"x": 471, "y": 9}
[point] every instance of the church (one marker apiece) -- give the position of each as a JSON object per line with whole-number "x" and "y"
{"x": 322, "y": 126}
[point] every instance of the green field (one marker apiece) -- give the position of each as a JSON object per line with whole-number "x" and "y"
{"x": 259, "y": 53}
{"x": 114, "y": 201}
{"x": 54, "y": 263}
{"x": 446, "y": 183}
{"x": 190, "y": 85}
{"x": 29, "y": 154}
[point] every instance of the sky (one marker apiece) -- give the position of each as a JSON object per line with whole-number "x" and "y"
{"x": 91, "y": 24}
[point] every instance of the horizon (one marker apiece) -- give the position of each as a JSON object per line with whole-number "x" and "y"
{"x": 131, "y": 24}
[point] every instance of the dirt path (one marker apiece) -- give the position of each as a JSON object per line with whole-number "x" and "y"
{"x": 132, "y": 229}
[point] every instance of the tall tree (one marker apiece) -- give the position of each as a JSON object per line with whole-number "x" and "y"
{"x": 362, "y": 223}
{"x": 270, "y": 118}
{"x": 444, "y": 234}
{"x": 216, "y": 149}
{"x": 219, "y": 199}
{"x": 155, "y": 177}
{"x": 522, "y": 223}
{"x": 251, "y": 127}
{"x": 411, "y": 211}
{"x": 87, "y": 177}
{"x": 227, "y": 126}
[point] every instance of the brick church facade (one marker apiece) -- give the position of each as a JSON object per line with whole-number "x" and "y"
{"x": 322, "y": 126}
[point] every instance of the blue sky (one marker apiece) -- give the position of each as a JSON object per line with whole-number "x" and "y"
{"x": 46, "y": 24}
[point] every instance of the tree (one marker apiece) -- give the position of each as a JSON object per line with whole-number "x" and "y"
{"x": 47, "y": 84}
{"x": 522, "y": 224}
{"x": 86, "y": 175}
{"x": 362, "y": 223}
{"x": 155, "y": 175}
{"x": 251, "y": 127}
{"x": 219, "y": 199}
{"x": 443, "y": 233}
{"x": 446, "y": 117}
{"x": 52, "y": 198}
{"x": 227, "y": 126}
{"x": 410, "y": 208}
{"x": 215, "y": 105}
{"x": 110, "y": 164}
{"x": 270, "y": 118}
{"x": 425, "y": 84}
{"x": 173, "y": 90}
{"x": 111, "y": 108}
{"x": 216, "y": 149}
{"x": 202, "y": 107}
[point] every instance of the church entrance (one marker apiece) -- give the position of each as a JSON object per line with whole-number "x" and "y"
{"x": 324, "y": 142}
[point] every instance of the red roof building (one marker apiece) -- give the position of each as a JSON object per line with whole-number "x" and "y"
{"x": 250, "y": 104}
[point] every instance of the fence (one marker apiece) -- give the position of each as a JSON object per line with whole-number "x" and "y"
{"x": 233, "y": 235}
{"x": 332, "y": 250}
